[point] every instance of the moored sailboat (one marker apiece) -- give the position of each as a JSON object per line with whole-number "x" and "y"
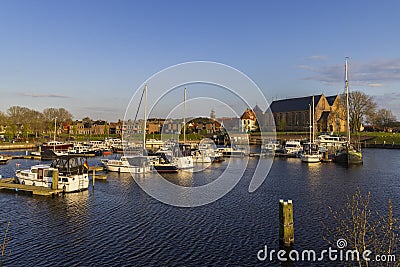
{"x": 348, "y": 154}
{"x": 311, "y": 153}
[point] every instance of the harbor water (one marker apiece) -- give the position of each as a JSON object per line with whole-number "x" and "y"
{"x": 118, "y": 224}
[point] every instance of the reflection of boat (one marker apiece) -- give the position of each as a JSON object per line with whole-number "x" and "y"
{"x": 3, "y": 160}
{"x": 132, "y": 164}
{"x": 348, "y": 155}
{"x": 71, "y": 176}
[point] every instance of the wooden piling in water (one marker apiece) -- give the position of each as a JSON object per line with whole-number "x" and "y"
{"x": 54, "y": 180}
{"x": 93, "y": 177}
{"x": 286, "y": 226}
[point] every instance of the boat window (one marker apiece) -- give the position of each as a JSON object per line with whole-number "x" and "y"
{"x": 34, "y": 170}
{"x": 65, "y": 180}
{"x": 48, "y": 173}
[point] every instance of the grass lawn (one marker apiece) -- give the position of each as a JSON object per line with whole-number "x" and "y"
{"x": 381, "y": 138}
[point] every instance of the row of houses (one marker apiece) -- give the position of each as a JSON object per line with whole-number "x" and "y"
{"x": 286, "y": 115}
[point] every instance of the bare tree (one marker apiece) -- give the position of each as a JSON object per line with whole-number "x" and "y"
{"x": 364, "y": 230}
{"x": 384, "y": 118}
{"x": 3, "y": 120}
{"x": 61, "y": 114}
{"x": 17, "y": 120}
{"x": 362, "y": 107}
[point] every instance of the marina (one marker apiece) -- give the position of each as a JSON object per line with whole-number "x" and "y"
{"x": 101, "y": 214}
{"x": 199, "y": 133}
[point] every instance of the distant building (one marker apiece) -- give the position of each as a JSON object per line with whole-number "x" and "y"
{"x": 249, "y": 121}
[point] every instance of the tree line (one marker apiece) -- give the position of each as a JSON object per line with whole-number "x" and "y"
{"x": 24, "y": 122}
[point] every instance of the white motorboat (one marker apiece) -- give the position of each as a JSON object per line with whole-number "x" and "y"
{"x": 126, "y": 164}
{"x": 3, "y": 160}
{"x": 72, "y": 175}
{"x": 161, "y": 163}
{"x": 270, "y": 148}
{"x": 293, "y": 148}
{"x": 327, "y": 142}
{"x": 205, "y": 153}
{"x": 79, "y": 149}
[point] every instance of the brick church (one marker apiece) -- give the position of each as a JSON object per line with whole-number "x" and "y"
{"x": 293, "y": 114}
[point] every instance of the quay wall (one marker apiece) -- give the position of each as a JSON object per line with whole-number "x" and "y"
{"x": 18, "y": 146}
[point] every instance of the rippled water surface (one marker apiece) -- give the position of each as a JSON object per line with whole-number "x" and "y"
{"x": 117, "y": 224}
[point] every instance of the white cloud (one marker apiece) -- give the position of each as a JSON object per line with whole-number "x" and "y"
{"x": 376, "y": 73}
{"x": 317, "y": 57}
{"x": 35, "y": 95}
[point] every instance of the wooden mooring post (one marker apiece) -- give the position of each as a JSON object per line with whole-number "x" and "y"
{"x": 54, "y": 180}
{"x": 286, "y": 226}
{"x": 93, "y": 177}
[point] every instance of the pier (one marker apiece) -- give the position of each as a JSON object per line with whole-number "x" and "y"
{"x": 9, "y": 185}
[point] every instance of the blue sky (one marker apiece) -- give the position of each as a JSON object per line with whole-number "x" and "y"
{"x": 90, "y": 56}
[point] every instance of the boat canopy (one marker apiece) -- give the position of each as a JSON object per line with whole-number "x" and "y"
{"x": 69, "y": 165}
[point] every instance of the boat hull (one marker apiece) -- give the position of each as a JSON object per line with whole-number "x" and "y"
{"x": 349, "y": 158}
{"x": 311, "y": 158}
{"x": 166, "y": 168}
{"x": 127, "y": 169}
{"x": 66, "y": 184}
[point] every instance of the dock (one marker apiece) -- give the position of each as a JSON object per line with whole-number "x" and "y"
{"x": 24, "y": 157}
{"x": 8, "y": 185}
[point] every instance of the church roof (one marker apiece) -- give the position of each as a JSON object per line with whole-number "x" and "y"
{"x": 294, "y": 104}
{"x": 257, "y": 109}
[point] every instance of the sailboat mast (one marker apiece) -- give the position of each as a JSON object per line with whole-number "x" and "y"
{"x": 313, "y": 115}
{"x": 184, "y": 116}
{"x": 347, "y": 102}
{"x": 144, "y": 118}
{"x": 55, "y": 132}
{"x": 310, "y": 125}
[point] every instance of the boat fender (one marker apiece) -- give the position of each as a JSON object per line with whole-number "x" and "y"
{"x": 23, "y": 183}
{"x": 119, "y": 170}
{"x": 34, "y": 184}
{"x": 64, "y": 188}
